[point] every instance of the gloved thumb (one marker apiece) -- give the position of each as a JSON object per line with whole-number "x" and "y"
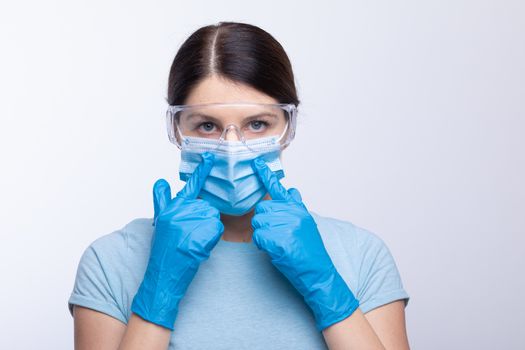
{"x": 296, "y": 196}
{"x": 161, "y": 197}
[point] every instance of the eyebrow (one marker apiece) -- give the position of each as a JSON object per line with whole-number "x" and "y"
{"x": 255, "y": 116}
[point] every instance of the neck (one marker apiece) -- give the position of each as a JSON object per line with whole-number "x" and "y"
{"x": 239, "y": 228}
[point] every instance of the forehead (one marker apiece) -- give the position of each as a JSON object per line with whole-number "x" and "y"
{"x": 216, "y": 89}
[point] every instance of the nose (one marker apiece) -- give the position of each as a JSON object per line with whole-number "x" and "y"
{"x": 232, "y": 134}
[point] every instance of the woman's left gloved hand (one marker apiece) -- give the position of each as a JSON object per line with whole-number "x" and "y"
{"x": 284, "y": 228}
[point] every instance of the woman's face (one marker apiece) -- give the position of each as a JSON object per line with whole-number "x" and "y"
{"x": 216, "y": 89}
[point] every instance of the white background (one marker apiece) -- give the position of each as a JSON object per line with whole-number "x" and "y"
{"x": 411, "y": 125}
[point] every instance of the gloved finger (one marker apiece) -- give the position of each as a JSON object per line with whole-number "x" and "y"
{"x": 260, "y": 221}
{"x": 274, "y": 222}
{"x": 196, "y": 181}
{"x": 270, "y": 180}
{"x": 296, "y": 196}
{"x": 215, "y": 239}
{"x": 192, "y": 209}
{"x": 259, "y": 239}
{"x": 204, "y": 206}
{"x": 198, "y": 204}
{"x": 274, "y": 205}
{"x": 161, "y": 197}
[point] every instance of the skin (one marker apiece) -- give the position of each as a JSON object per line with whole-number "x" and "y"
{"x": 381, "y": 328}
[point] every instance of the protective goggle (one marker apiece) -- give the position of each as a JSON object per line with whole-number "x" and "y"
{"x": 250, "y": 122}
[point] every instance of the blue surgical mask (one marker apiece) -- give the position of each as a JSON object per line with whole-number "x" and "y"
{"x": 232, "y": 186}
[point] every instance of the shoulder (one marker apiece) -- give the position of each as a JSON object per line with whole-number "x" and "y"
{"x": 111, "y": 267}
{"x": 124, "y": 251}
{"x": 136, "y": 233}
{"x": 364, "y": 261}
{"x": 135, "y": 229}
{"x": 352, "y": 236}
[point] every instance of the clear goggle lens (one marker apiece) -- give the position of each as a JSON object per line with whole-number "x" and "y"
{"x": 248, "y": 121}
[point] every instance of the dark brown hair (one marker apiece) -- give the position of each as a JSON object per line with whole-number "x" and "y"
{"x": 237, "y": 51}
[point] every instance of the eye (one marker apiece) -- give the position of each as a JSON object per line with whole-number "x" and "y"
{"x": 206, "y": 127}
{"x": 258, "y": 125}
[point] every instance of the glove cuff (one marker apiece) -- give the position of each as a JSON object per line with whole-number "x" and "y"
{"x": 332, "y": 301}
{"x": 158, "y": 297}
{"x": 154, "y": 305}
{"x": 148, "y": 314}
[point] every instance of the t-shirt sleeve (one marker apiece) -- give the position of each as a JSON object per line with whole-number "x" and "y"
{"x": 379, "y": 279}
{"x": 95, "y": 286}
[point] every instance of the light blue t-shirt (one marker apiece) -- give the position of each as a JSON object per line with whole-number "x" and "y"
{"x": 237, "y": 299}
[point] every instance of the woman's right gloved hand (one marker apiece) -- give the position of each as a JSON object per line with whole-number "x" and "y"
{"x": 186, "y": 230}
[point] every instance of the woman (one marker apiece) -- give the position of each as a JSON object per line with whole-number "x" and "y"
{"x": 235, "y": 260}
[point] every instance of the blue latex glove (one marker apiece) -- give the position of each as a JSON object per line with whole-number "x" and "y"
{"x": 284, "y": 228}
{"x": 186, "y": 230}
